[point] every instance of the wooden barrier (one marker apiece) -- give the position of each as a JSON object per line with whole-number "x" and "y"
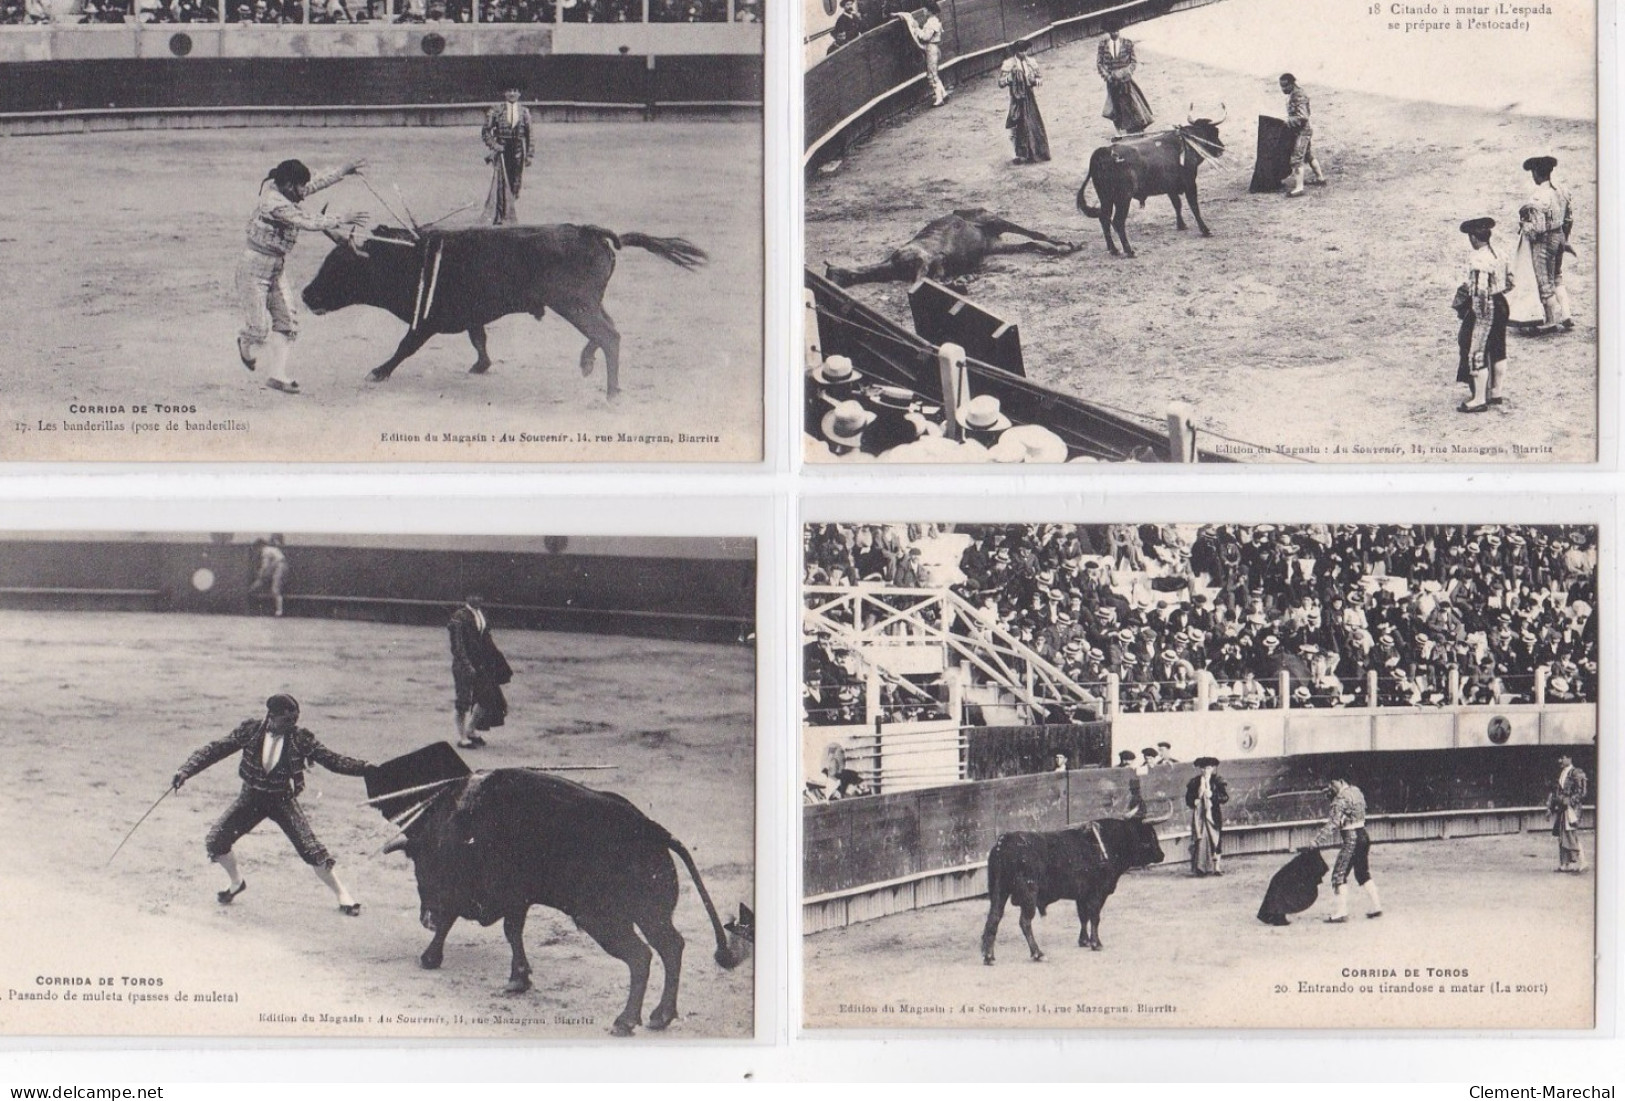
{"x": 666, "y": 596}
{"x": 881, "y": 75}
{"x": 207, "y": 87}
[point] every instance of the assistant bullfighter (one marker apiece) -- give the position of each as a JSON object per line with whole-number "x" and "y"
{"x": 270, "y": 325}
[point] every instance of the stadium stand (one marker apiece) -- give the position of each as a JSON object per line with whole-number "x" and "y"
{"x": 1161, "y": 618}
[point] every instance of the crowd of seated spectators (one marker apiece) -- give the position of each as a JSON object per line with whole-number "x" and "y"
{"x": 1232, "y": 608}
{"x": 853, "y": 418}
{"x": 361, "y": 11}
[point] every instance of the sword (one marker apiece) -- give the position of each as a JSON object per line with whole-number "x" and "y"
{"x": 137, "y": 825}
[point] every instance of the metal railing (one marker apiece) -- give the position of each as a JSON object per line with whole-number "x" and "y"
{"x": 864, "y": 618}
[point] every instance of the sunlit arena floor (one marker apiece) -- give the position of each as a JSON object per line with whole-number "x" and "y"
{"x": 119, "y": 276}
{"x": 1321, "y": 325}
{"x": 1188, "y": 952}
{"x": 105, "y": 707}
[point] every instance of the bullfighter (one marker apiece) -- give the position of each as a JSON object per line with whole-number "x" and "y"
{"x": 1125, "y": 103}
{"x": 270, "y": 325}
{"x": 1345, "y": 827}
{"x": 479, "y": 670}
{"x": 507, "y": 134}
{"x": 274, "y": 751}
{"x": 1566, "y": 801}
{"x": 1547, "y": 219}
{"x": 1303, "y": 129}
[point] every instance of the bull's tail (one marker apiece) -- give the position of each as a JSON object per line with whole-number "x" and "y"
{"x": 993, "y": 864}
{"x": 1083, "y": 203}
{"x": 724, "y": 955}
{"x": 685, "y": 254}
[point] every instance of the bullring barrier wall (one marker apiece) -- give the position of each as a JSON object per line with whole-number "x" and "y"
{"x": 882, "y": 74}
{"x": 1233, "y": 735}
{"x": 868, "y": 857}
{"x": 135, "y": 76}
{"x": 694, "y": 598}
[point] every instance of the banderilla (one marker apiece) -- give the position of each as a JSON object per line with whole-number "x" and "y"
{"x": 137, "y": 825}
{"x": 1289, "y": 794}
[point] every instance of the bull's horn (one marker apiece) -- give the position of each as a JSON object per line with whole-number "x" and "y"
{"x": 335, "y": 236}
{"x": 1161, "y": 817}
{"x": 1224, "y": 113}
{"x": 1190, "y": 112}
{"x": 396, "y": 844}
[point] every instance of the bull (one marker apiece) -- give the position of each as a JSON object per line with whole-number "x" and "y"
{"x": 953, "y": 245}
{"x": 1083, "y": 863}
{"x": 1163, "y": 163}
{"x": 493, "y": 845}
{"x": 461, "y": 280}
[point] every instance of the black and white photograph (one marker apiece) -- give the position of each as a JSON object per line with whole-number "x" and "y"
{"x": 295, "y": 785}
{"x": 1228, "y": 775}
{"x": 1382, "y": 245}
{"x": 392, "y": 230}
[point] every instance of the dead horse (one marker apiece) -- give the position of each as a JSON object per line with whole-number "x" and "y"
{"x": 953, "y": 245}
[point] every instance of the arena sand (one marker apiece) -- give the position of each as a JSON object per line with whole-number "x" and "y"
{"x": 1183, "y": 952}
{"x": 120, "y": 284}
{"x": 1318, "y": 323}
{"x": 107, "y": 706}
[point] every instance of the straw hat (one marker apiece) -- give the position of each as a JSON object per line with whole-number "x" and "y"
{"x": 834, "y": 371}
{"x": 845, "y": 423}
{"x": 1029, "y": 443}
{"x": 982, "y": 414}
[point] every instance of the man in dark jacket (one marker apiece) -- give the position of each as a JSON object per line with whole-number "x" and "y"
{"x": 274, "y": 752}
{"x": 479, "y": 671}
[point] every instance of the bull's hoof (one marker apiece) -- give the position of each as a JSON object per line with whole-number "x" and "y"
{"x": 1038, "y": 957}
{"x": 480, "y": 368}
{"x": 516, "y": 986}
{"x": 1096, "y": 946}
{"x": 431, "y": 961}
{"x": 1206, "y": 232}
{"x": 620, "y": 1028}
{"x": 1128, "y": 254}
{"x": 613, "y": 395}
{"x": 377, "y": 374}
{"x": 661, "y": 1018}
{"x": 988, "y": 960}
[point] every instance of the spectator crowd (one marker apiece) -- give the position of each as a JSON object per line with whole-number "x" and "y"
{"x": 1441, "y": 615}
{"x": 361, "y": 11}
{"x": 854, "y": 418}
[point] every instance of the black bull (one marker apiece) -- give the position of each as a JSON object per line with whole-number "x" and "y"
{"x": 1083, "y": 863}
{"x": 1153, "y": 164}
{"x": 461, "y": 280}
{"x": 494, "y": 845}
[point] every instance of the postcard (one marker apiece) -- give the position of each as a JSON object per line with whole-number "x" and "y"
{"x": 1248, "y": 231}
{"x": 319, "y": 231}
{"x": 343, "y": 786}
{"x": 1200, "y": 776}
